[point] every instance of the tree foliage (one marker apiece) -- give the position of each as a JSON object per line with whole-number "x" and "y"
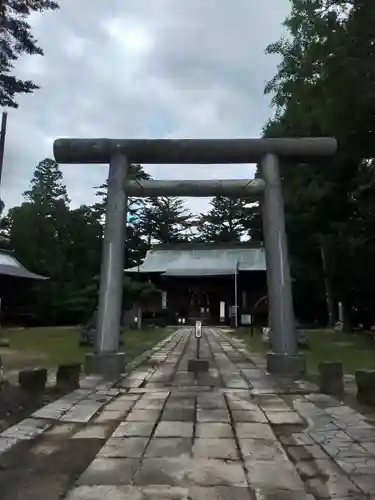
{"x": 229, "y": 220}
{"x": 165, "y": 220}
{"x": 324, "y": 86}
{"x": 17, "y": 39}
{"x": 47, "y": 189}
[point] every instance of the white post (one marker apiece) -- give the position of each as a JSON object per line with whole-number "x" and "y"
{"x": 236, "y": 295}
{"x": 341, "y": 311}
{"x": 244, "y": 299}
{"x": 139, "y": 316}
{"x": 222, "y": 311}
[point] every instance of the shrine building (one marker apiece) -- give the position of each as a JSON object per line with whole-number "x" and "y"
{"x": 221, "y": 283}
{"x": 14, "y": 277}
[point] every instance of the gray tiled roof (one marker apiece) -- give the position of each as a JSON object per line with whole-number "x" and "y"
{"x": 9, "y": 266}
{"x": 202, "y": 260}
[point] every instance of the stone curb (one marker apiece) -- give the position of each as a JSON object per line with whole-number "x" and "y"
{"x": 89, "y": 384}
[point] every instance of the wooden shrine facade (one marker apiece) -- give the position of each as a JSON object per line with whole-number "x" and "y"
{"x": 207, "y": 282}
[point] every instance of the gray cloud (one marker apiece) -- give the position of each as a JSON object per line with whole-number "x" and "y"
{"x": 161, "y": 68}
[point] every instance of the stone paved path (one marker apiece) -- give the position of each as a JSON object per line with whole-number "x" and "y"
{"x": 159, "y": 433}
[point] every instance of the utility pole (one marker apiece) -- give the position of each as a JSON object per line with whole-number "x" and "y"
{"x": 3, "y": 132}
{"x": 236, "y": 295}
{"x": 4, "y": 114}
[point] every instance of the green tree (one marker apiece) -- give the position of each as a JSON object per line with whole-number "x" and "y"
{"x": 82, "y": 252}
{"x": 135, "y": 247}
{"x": 82, "y": 245}
{"x": 4, "y": 233}
{"x": 39, "y": 234}
{"x": 328, "y": 54}
{"x": 47, "y": 189}
{"x": 17, "y": 39}
{"x": 165, "y": 220}
{"x": 298, "y": 88}
{"x": 136, "y": 172}
{"x": 229, "y": 219}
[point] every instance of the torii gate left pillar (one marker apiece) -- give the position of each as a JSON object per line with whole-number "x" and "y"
{"x": 107, "y": 359}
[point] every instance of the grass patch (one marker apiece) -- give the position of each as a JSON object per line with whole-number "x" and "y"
{"x": 354, "y": 350}
{"x": 51, "y": 346}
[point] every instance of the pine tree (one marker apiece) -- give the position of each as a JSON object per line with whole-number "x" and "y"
{"x": 165, "y": 220}
{"x": 17, "y": 39}
{"x": 225, "y": 221}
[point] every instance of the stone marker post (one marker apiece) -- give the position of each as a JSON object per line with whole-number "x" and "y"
{"x": 198, "y": 365}
{"x": 198, "y": 335}
{"x": 365, "y": 380}
{"x": 331, "y": 380}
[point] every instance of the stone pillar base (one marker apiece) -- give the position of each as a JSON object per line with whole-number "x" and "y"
{"x": 108, "y": 365}
{"x": 288, "y": 365}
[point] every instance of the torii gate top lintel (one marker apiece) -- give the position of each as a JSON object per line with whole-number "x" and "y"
{"x": 198, "y": 151}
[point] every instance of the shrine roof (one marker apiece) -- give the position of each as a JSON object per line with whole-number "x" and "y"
{"x": 202, "y": 259}
{"x": 9, "y": 266}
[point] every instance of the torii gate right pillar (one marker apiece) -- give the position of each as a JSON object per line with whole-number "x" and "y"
{"x": 284, "y": 358}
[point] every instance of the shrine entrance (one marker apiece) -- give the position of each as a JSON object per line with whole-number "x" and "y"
{"x": 204, "y": 305}
{"x": 119, "y": 154}
{"x": 199, "y": 304}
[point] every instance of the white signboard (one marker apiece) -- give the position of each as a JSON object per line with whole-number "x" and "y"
{"x": 198, "y": 329}
{"x": 246, "y": 319}
{"x": 222, "y": 310}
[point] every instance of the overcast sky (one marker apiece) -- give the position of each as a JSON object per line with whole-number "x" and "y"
{"x": 142, "y": 69}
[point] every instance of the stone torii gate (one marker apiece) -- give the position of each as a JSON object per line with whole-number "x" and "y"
{"x": 119, "y": 154}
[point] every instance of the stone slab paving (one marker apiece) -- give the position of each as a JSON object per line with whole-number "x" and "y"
{"x": 160, "y": 433}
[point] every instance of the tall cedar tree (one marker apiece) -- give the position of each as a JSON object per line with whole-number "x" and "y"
{"x": 47, "y": 189}
{"x": 39, "y": 236}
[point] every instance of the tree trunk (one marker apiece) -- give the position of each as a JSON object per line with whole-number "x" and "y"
{"x": 346, "y": 324}
{"x": 328, "y": 289}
